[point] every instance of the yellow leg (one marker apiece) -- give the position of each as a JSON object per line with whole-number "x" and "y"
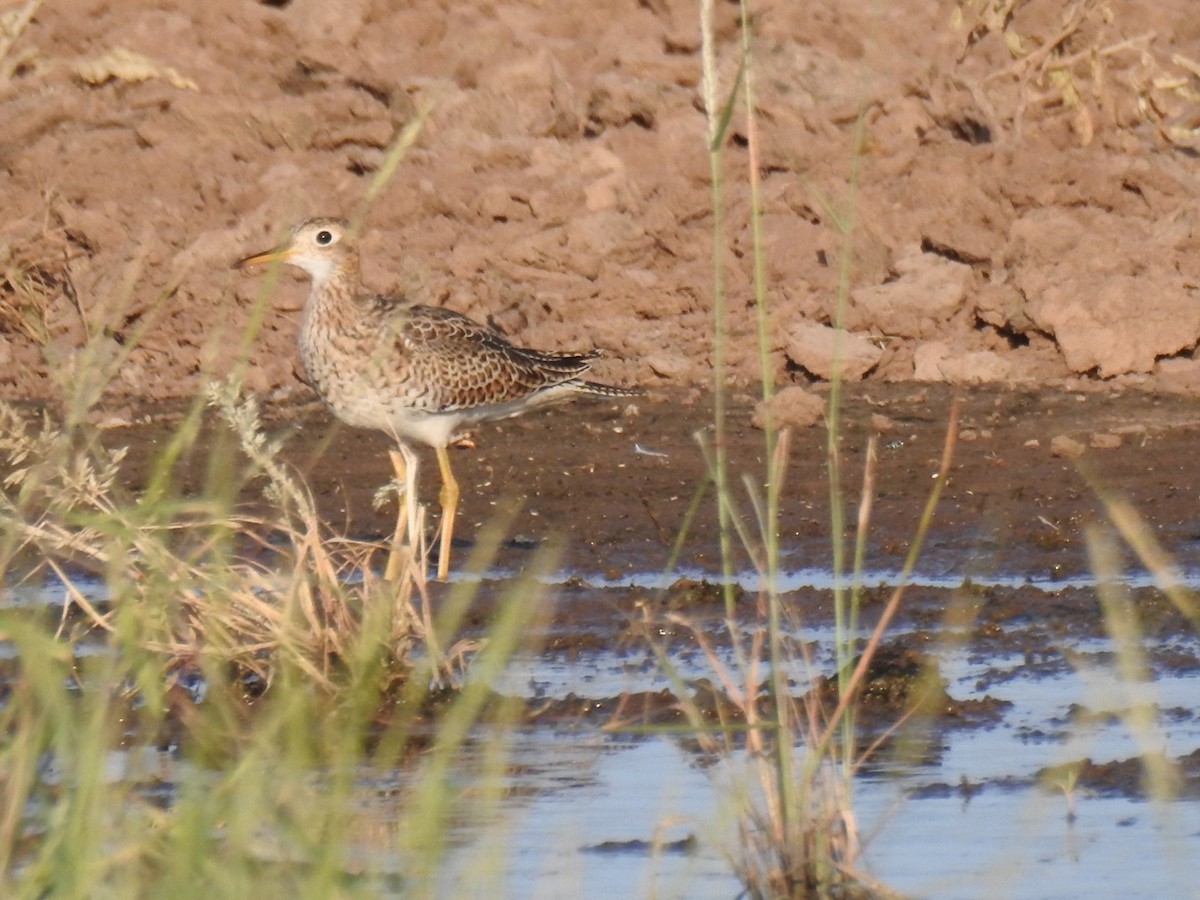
{"x": 404, "y": 463}
{"x": 449, "y": 500}
{"x": 402, "y": 501}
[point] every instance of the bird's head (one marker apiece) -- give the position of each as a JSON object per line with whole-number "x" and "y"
{"x": 321, "y": 247}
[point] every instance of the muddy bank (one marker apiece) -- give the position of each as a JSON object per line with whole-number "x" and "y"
{"x": 606, "y": 489}
{"x": 612, "y": 483}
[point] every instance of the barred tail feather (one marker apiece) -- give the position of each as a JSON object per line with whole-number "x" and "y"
{"x": 605, "y": 390}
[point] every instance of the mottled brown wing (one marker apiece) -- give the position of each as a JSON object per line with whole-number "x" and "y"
{"x": 463, "y": 364}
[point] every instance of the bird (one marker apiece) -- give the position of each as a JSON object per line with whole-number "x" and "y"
{"x": 419, "y": 374}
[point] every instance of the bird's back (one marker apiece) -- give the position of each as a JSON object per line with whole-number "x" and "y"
{"x": 462, "y": 364}
{"x": 422, "y": 372}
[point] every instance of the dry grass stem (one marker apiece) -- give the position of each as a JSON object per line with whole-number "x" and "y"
{"x": 61, "y": 507}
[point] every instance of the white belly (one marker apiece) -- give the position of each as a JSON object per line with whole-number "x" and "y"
{"x": 411, "y": 426}
{"x": 433, "y": 428}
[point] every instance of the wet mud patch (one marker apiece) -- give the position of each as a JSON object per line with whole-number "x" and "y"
{"x": 607, "y": 489}
{"x": 1126, "y": 778}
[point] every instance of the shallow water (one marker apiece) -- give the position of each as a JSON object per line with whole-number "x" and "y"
{"x": 593, "y": 813}
{"x": 1004, "y": 836}
{"x": 599, "y": 804}
{"x": 823, "y": 579}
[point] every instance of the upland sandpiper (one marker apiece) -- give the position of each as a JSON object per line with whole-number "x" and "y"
{"x": 417, "y": 373}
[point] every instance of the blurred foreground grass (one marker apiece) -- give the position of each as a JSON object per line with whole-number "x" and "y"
{"x": 202, "y": 712}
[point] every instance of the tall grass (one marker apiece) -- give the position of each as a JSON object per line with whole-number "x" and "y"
{"x": 213, "y": 707}
{"x": 1140, "y": 718}
{"x": 794, "y": 758}
{"x": 1122, "y": 684}
{"x": 296, "y": 662}
{"x": 796, "y": 828}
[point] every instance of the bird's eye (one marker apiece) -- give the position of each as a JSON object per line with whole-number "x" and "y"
{"x": 324, "y": 238}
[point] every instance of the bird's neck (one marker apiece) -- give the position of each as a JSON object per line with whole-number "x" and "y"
{"x": 342, "y": 275}
{"x": 332, "y": 306}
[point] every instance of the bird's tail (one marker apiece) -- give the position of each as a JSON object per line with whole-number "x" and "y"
{"x": 605, "y": 390}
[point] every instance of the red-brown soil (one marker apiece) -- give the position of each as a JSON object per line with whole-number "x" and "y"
{"x": 1028, "y": 218}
